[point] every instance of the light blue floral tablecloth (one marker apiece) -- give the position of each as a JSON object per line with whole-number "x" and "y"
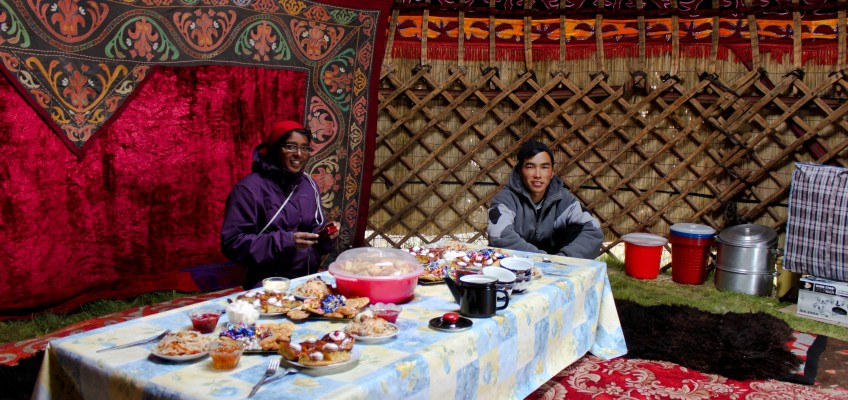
{"x": 554, "y": 323}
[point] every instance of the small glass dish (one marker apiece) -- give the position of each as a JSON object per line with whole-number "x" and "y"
{"x": 226, "y": 352}
{"x": 386, "y": 311}
{"x": 205, "y": 319}
{"x": 276, "y": 284}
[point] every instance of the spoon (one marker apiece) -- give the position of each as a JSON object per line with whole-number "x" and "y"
{"x": 548, "y": 261}
{"x": 289, "y": 371}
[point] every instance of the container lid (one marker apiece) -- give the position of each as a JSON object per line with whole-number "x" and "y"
{"x": 696, "y": 231}
{"x": 644, "y": 239}
{"x": 376, "y": 263}
{"x": 748, "y": 235}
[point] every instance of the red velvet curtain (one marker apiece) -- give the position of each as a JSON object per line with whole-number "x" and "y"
{"x": 146, "y": 198}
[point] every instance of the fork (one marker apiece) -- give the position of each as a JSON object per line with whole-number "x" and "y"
{"x": 138, "y": 342}
{"x": 271, "y": 370}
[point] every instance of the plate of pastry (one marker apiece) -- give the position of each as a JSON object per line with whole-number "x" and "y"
{"x": 270, "y": 304}
{"x": 181, "y": 346}
{"x": 314, "y": 288}
{"x": 368, "y": 329}
{"x": 332, "y": 351}
{"x": 354, "y": 356}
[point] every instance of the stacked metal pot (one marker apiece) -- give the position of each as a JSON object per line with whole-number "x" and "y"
{"x": 745, "y": 259}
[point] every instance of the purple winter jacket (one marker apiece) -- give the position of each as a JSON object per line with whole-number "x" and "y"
{"x": 252, "y": 202}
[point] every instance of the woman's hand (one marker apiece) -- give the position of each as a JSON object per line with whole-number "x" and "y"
{"x": 303, "y": 240}
{"x": 336, "y": 231}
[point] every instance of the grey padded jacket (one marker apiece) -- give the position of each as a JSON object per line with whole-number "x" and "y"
{"x": 561, "y": 226}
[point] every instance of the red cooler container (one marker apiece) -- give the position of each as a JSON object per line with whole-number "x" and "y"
{"x": 690, "y": 251}
{"x": 642, "y": 253}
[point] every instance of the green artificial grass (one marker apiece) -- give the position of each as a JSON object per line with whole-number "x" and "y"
{"x": 42, "y": 324}
{"x": 646, "y": 292}
{"x": 707, "y": 298}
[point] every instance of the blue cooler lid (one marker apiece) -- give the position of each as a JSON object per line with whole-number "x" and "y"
{"x": 694, "y": 231}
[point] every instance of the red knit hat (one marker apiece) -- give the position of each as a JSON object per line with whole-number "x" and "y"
{"x": 278, "y": 129}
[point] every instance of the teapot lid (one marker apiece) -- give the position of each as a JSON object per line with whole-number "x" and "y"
{"x": 748, "y": 235}
{"x": 477, "y": 279}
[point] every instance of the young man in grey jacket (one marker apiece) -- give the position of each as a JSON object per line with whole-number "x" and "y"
{"x": 534, "y": 212}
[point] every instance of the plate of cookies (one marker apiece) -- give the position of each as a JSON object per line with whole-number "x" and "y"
{"x": 441, "y": 262}
{"x": 332, "y": 307}
{"x": 261, "y": 337}
{"x": 319, "y": 300}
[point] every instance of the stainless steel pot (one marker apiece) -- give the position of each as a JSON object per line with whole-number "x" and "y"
{"x": 745, "y": 259}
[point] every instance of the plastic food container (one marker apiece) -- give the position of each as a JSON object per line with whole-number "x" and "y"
{"x": 642, "y": 254}
{"x": 690, "y": 252}
{"x": 381, "y": 274}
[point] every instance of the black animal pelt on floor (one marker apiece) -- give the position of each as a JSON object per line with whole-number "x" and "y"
{"x": 19, "y": 381}
{"x": 735, "y": 345}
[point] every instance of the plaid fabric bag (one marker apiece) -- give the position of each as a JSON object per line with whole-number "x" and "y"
{"x": 817, "y": 225}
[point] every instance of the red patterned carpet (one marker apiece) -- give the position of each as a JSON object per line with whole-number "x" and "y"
{"x": 594, "y": 378}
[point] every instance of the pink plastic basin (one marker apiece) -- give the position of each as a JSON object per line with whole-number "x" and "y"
{"x": 383, "y": 275}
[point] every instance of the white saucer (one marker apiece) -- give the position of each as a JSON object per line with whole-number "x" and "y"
{"x": 377, "y": 339}
{"x": 354, "y": 356}
{"x": 187, "y": 357}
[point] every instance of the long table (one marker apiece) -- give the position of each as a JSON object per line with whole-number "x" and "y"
{"x": 566, "y": 313}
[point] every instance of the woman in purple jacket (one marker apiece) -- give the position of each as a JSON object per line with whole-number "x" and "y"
{"x": 273, "y": 215}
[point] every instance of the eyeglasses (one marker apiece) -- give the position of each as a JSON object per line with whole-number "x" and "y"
{"x": 293, "y": 148}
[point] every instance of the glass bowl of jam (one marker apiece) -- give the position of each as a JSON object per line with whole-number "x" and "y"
{"x": 205, "y": 319}
{"x": 226, "y": 352}
{"x": 386, "y": 311}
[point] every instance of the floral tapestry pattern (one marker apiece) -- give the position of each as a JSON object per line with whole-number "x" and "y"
{"x": 78, "y": 62}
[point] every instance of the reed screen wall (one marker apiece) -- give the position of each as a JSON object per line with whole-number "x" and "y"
{"x": 644, "y": 139}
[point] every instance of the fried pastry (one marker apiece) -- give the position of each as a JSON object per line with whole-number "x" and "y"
{"x": 333, "y": 348}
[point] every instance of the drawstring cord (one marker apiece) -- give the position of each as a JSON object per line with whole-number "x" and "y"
{"x": 319, "y": 215}
{"x": 278, "y": 211}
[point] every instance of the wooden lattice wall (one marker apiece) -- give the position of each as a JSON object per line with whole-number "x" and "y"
{"x": 643, "y": 142}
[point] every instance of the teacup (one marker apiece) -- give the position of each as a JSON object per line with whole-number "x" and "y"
{"x": 523, "y": 270}
{"x": 506, "y": 278}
